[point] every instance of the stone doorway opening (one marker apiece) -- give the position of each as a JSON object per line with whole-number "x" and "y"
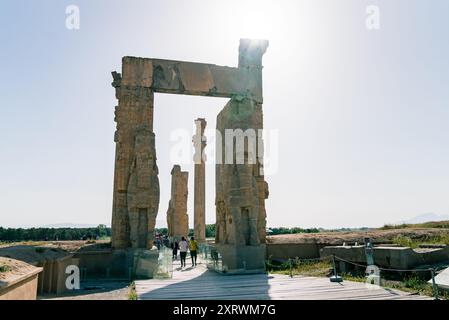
{"x": 174, "y": 126}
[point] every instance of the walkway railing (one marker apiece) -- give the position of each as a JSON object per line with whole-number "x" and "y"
{"x": 211, "y": 257}
{"x": 165, "y": 264}
{"x": 373, "y": 273}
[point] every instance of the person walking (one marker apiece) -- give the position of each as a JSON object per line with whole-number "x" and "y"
{"x": 175, "y": 247}
{"x": 193, "y": 245}
{"x": 183, "y": 245}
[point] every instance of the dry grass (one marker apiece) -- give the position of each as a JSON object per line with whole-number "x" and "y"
{"x": 132, "y": 294}
{"x": 302, "y": 267}
{"x": 406, "y": 241}
{"x": 432, "y": 224}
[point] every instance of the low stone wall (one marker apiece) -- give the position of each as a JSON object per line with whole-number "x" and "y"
{"x": 19, "y": 282}
{"x": 53, "y": 262}
{"x": 285, "y": 251}
{"x": 53, "y": 277}
{"x": 390, "y": 257}
{"x": 105, "y": 264}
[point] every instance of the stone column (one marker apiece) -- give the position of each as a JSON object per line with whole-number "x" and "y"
{"x": 136, "y": 184}
{"x": 177, "y": 217}
{"x": 199, "y": 158}
{"x": 241, "y": 189}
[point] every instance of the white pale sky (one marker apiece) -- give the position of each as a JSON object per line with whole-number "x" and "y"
{"x": 362, "y": 115}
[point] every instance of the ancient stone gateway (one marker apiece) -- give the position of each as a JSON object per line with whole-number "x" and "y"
{"x": 240, "y": 187}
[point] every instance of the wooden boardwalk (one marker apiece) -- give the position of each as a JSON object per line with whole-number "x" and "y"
{"x": 202, "y": 284}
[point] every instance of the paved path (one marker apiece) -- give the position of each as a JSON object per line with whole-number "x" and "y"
{"x": 201, "y": 284}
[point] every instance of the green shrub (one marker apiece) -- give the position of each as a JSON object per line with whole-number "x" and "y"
{"x": 132, "y": 294}
{"x": 414, "y": 283}
{"x": 5, "y": 268}
{"x": 405, "y": 241}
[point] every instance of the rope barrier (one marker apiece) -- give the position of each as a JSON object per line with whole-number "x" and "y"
{"x": 385, "y": 269}
{"x": 312, "y": 259}
{"x": 333, "y": 257}
{"x": 431, "y": 270}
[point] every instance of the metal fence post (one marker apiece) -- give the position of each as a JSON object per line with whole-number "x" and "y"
{"x": 333, "y": 265}
{"x": 335, "y": 277}
{"x": 291, "y": 268}
{"x": 434, "y": 285}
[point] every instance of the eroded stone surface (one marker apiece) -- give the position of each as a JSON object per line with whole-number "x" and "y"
{"x": 199, "y": 158}
{"x": 177, "y": 218}
{"x": 241, "y": 189}
{"x": 136, "y": 184}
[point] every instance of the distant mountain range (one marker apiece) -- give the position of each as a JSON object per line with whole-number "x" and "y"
{"x": 426, "y": 217}
{"x": 72, "y": 225}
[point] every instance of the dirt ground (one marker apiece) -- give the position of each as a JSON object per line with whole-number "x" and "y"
{"x": 70, "y": 246}
{"x": 338, "y": 237}
{"x": 15, "y": 269}
{"x": 95, "y": 290}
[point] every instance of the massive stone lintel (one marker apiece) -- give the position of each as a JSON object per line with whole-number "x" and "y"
{"x": 177, "y": 217}
{"x": 205, "y": 79}
{"x": 199, "y": 158}
{"x": 241, "y": 189}
{"x": 200, "y": 79}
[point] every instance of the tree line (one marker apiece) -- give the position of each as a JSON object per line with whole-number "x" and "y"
{"x": 50, "y": 234}
{"x": 102, "y": 232}
{"x": 283, "y": 230}
{"x": 210, "y": 231}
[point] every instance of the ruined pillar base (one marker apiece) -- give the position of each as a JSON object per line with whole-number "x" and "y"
{"x": 243, "y": 259}
{"x": 145, "y": 263}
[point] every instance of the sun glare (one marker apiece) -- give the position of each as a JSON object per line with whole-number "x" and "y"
{"x": 255, "y": 19}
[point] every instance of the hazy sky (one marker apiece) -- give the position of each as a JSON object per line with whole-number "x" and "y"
{"x": 362, "y": 115}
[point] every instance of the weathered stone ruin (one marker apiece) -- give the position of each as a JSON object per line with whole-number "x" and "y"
{"x": 136, "y": 184}
{"x": 199, "y": 158}
{"x": 177, "y": 217}
{"x": 240, "y": 187}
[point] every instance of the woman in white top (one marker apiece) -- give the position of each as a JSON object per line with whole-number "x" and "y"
{"x": 183, "y": 245}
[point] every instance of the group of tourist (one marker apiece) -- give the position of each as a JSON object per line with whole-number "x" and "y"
{"x": 160, "y": 240}
{"x": 183, "y": 246}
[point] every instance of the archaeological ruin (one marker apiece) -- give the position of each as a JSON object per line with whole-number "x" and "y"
{"x": 241, "y": 189}
{"x": 199, "y": 158}
{"x": 177, "y": 217}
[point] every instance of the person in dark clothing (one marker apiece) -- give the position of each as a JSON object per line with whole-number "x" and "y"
{"x": 175, "y": 247}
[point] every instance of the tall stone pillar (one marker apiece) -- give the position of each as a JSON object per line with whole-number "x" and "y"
{"x": 199, "y": 158}
{"x": 177, "y": 217}
{"x": 136, "y": 184}
{"x": 241, "y": 189}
